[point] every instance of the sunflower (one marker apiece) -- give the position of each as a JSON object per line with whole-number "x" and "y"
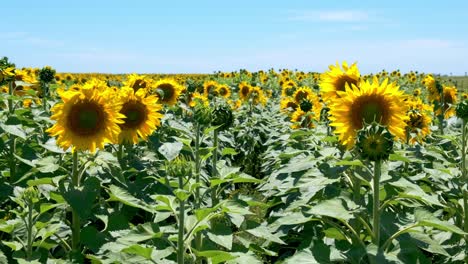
{"x": 371, "y": 102}
{"x": 302, "y": 94}
{"x": 288, "y": 104}
{"x": 210, "y": 87}
{"x": 335, "y": 80}
{"x": 244, "y": 91}
{"x": 418, "y": 125}
{"x": 430, "y": 84}
{"x": 86, "y": 120}
{"x": 223, "y": 90}
{"x": 137, "y": 82}
{"x": 141, "y": 113}
{"x": 168, "y": 91}
{"x": 301, "y": 119}
{"x": 288, "y": 88}
{"x": 416, "y": 92}
{"x": 450, "y": 100}
{"x": 196, "y": 96}
{"x": 257, "y": 95}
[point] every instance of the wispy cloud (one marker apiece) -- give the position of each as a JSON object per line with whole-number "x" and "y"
{"x": 330, "y": 15}
{"x": 30, "y": 39}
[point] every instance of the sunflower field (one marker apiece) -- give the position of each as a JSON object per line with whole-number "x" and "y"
{"x": 275, "y": 166}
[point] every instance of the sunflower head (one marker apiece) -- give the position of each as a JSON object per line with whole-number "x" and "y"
{"x": 210, "y": 88}
{"x": 202, "y": 113}
{"x": 417, "y": 92}
{"x": 86, "y": 120}
{"x": 244, "y": 91}
{"x": 196, "y": 98}
{"x": 372, "y": 102}
{"x": 179, "y": 167}
{"x": 46, "y": 74}
{"x": 302, "y": 93}
{"x": 141, "y": 115}
{"x": 168, "y": 91}
{"x": 374, "y": 142}
{"x": 302, "y": 119}
{"x": 223, "y": 91}
{"x": 417, "y": 126}
{"x": 222, "y": 116}
{"x": 137, "y": 82}
{"x": 336, "y": 80}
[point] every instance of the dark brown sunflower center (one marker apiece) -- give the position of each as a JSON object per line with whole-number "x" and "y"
{"x": 416, "y": 121}
{"x": 223, "y": 91}
{"x": 369, "y": 108}
{"x": 86, "y": 118}
{"x": 166, "y": 91}
{"x": 138, "y": 84}
{"x": 293, "y": 105}
{"x": 301, "y": 95}
{"x": 341, "y": 82}
{"x": 245, "y": 91}
{"x": 135, "y": 114}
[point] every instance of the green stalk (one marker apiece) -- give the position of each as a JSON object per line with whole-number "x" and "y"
{"x": 180, "y": 239}
{"x": 376, "y": 211}
{"x": 45, "y": 92}
{"x": 12, "y": 137}
{"x": 10, "y": 100}
{"x": 30, "y": 229}
{"x": 441, "y": 116}
{"x": 120, "y": 153}
{"x": 214, "y": 171}
{"x": 76, "y": 226}
{"x": 198, "y": 236}
{"x": 464, "y": 178}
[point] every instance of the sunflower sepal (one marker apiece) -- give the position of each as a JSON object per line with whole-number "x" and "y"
{"x": 374, "y": 142}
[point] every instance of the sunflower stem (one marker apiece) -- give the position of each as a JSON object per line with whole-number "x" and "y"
{"x": 214, "y": 171}
{"x": 10, "y": 99}
{"x": 45, "y": 93}
{"x": 198, "y": 236}
{"x": 75, "y": 217}
{"x": 376, "y": 202}
{"x": 30, "y": 229}
{"x": 407, "y": 143}
{"x": 464, "y": 179}
{"x": 180, "y": 238}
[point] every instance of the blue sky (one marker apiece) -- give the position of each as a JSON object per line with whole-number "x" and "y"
{"x": 206, "y": 36}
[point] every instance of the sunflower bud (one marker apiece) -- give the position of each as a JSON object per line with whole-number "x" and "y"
{"x": 202, "y": 113}
{"x": 462, "y": 110}
{"x": 179, "y": 167}
{"x": 222, "y": 116}
{"x": 30, "y": 195}
{"x": 374, "y": 142}
{"x": 46, "y": 74}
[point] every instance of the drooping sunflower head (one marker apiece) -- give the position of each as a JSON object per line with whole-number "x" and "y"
{"x": 141, "y": 113}
{"x": 85, "y": 120}
{"x": 223, "y": 90}
{"x": 137, "y": 82}
{"x": 371, "y": 102}
{"x": 168, "y": 91}
{"x": 336, "y": 80}
{"x": 450, "y": 100}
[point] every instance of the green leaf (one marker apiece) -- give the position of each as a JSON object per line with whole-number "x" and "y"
{"x": 228, "y": 151}
{"x": 139, "y": 250}
{"x": 349, "y": 163}
{"x": 397, "y": 157}
{"x": 47, "y": 165}
{"x": 82, "y": 200}
{"x": 221, "y": 234}
{"x": 170, "y": 150}
{"x": 92, "y": 238}
{"x": 332, "y": 208}
{"x": 182, "y": 195}
{"x": 216, "y": 256}
{"x": 15, "y": 130}
{"x": 118, "y": 194}
{"x": 13, "y": 245}
{"x": 265, "y": 233}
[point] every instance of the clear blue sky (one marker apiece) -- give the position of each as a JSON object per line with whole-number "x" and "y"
{"x": 205, "y": 36}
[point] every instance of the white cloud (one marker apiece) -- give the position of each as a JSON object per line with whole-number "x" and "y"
{"x": 330, "y": 16}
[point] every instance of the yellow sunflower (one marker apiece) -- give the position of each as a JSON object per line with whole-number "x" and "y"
{"x": 418, "y": 126}
{"x": 288, "y": 104}
{"x": 86, "y": 120}
{"x": 141, "y": 113}
{"x": 223, "y": 90}
{"x": 335, "y": 80}
{"x": 257, "y": 95}
{"x": 430, "y": 84}
{"x": 244, "y": 91}
{"x": 301, "y": 119}
{"x": 137, "y": 82}
{"x": 302, "y": 93}
{"x": 288, "y": 88}
{"x": 450, "y": 100}
{"x": 168, "y": 91}
{"x": 210, "y": 87}
{"x": 356, "y": 107}
{"x": 200, "y": 97}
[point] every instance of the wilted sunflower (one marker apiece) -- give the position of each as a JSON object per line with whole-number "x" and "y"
{"x": 382, "y": 103}
{"x": 137, "y": 82}
{"x": 141, "y": 113}
{"x": 168, "y": 91}
{"x": 86, "y": 120}
{"x": 335, "y": 80}
{"x": 223, "y": 90}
